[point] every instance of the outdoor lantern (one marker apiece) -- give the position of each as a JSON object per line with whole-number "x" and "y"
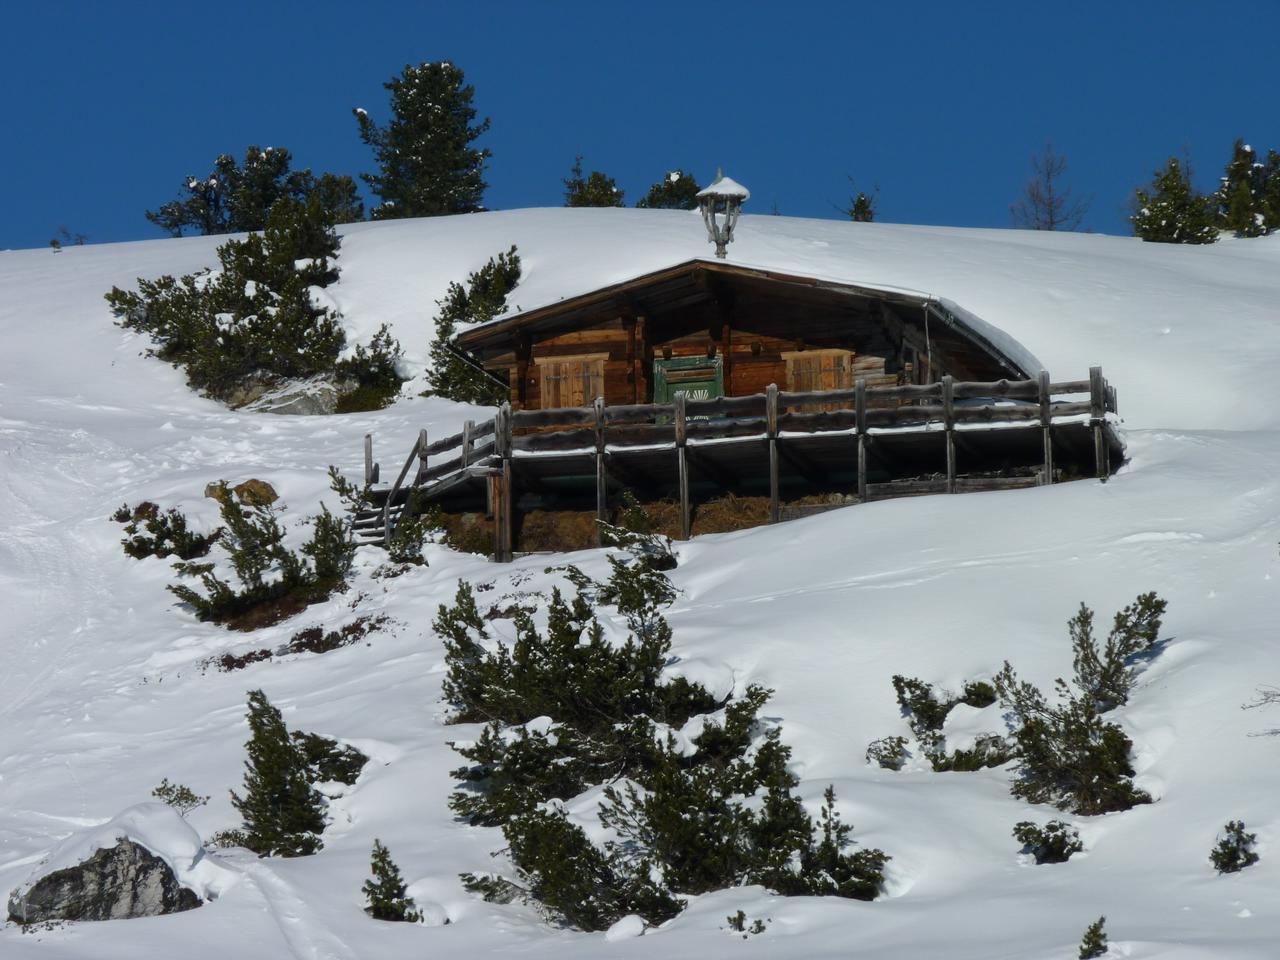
{"x": 720, "y": 204}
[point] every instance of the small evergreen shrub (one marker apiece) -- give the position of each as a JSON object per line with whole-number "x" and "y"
{"x": 1172, "y": 211}
{"x": 594, "y": 190}
{"x": 926, "y": 710}
{"x": 283, "y": 814}
{"x": 738, "y": 924}
{"x": 888, "y": 753}
{"x": 1068, "y": 754}
{"x": 565, "y": 710}
{"x": 179, "y": 796}
{"x": 226, "y": 839}
{"x": 375, "y": 372}
{"x": 635, "y": 533}
{"x": 1234, "y": 850}
{"x": 1094, "y": 942}
{"x": 257, "y": 316}
{"x": 677, "y": 190}
{"x": 386, "y": 891}
{"x": 327, "y": 760}
{"x": 271, "y": 576}
{"x": 1055, "y": 842}
{"x": 151, "y": 533}
{"x": 483, "y": 298}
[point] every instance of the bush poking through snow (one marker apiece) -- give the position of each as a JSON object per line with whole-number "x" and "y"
{"x": 1055, "y": 842}
{"x": 634, "y": 532}
{"x": 1107, "y": 674}
{"x": 483, "y": 298}
{"x": 257, "y": 315}
{"x": 274, "y": 581}
{"x": 567, "y": 709}
{"x": 179, "y": 796}
{"x": 386, "y": 891}
{"x": 1094, "y": 942}
{"x": 283, "y": 814}
{"x": 151, "y": 533}
{"x": 1068, "y": 754}
{"x": 888, "y": 753}
{"x": 1235, "y": 850}
{"x": 926, "y": 710}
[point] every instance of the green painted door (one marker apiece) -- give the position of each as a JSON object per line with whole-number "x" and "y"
{"x": 698, "y": 378}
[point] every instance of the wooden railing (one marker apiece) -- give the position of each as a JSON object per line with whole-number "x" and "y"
{"x": 487, "y": 449}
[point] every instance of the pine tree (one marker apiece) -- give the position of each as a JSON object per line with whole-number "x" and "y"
{"x": 427, "y": 165}
{"x": 1234, "y": 851}
{"x": 1045, "y": 204}
{"x": 283, "y": 814}
{"x": 675, "y": 191}
{"x": 1239, "y": 198}
{"x": 862, "y": 208}
{"x": 1094, "y": 942}
{"x": 238, "y": 197}
{"x": 597, "y": 190}
{"x": 386, "y": 891}
{"x": 483, "y": 298}
{"x": 1171, "y": 211}
{"x": 1271, "y": 191}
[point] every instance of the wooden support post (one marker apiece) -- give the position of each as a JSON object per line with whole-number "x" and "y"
{"x": 602, "y": 492}
{"x": 1097, "y": 417}
{"x": 468, "y": 429}
{"x": 368, "y": 459}
{"x": 949, "y": 425}
{"x": 771, "y": 419}
{"x": 422, "y": 457}
{"x": 860, "y": 411}
{"x": 682, "y": 463}
{"x": 501, "y": 490}
{"x": 1046, "y": 428}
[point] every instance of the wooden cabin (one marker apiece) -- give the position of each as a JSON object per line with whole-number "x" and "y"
{"x": 710, "y": 329}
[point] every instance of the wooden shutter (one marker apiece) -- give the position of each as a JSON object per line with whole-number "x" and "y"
{"x": 809, "y": 370}
{"x": 571, "y": 381}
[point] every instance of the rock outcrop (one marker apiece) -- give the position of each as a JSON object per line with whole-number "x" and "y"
{"x": 115, "y": 883}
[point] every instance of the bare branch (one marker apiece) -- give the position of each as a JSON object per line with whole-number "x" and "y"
{"x": 1044, "y": 204}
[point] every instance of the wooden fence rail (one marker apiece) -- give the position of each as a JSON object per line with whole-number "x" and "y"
{"x": 486, "y": 450}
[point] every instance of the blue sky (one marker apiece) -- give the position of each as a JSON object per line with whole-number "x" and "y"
{"x": 108, "y": 105}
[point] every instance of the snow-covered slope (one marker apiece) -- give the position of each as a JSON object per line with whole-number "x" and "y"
{"x": 102, "y": 694}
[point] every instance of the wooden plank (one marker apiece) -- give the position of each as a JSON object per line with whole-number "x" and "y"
{"x": 602, "y": 493}
{"x": 949, "y": 425}
{"x": 368, "y": 459}
{"x": 728, "y": 406}
{"x": 422, "y": 456}
{"x": 860, "y": 422}
{"x": 682, "y": 464}
{"x": 1046, "y": 428}
{"x": 637, "y": 412}
{"x": 771, "y": 427}
{"x": 554, "y": 417}
{"x": 1097, "y": 417}
{"x": 467, "y": 428}
{"x": 1069, "y": 386}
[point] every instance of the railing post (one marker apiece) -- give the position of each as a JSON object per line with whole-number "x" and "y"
{"x": 1046, "y": 427}
{"x": 771, "y": 420}
{"x": 1097, "y": 417}
{"x": 949, "y": 425}
{"x": 680, "y": 421}
{"x": 422, "y": 457}
{"x": 468, "y": 428}
{"x": 504, "y": 548}
{"x": 368, "y": 459}
{"x": 602, "y": 492}
{"x": 860, "y": 411}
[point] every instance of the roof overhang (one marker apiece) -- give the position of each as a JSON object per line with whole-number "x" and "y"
{"x": 699, "y": 279}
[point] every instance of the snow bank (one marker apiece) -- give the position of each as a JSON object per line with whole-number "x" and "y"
{"x": 158, "y": 828}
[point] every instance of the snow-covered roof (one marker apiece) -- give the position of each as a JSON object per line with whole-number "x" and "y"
{"x": 725, "y": 187}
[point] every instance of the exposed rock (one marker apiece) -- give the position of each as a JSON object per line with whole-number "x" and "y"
{"x": 255, "y": 493}
{"x": 217, "y": 490}
{"x": 115, "y": 883}
{"x": 315, "y": 396}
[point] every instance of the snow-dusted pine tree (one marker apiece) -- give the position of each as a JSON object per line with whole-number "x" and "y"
{"x": 677, "y": 190}
{"x": 1171, "y": 211}
{"x": 427, "y": 166}
{"x": 386, "y": 891}
{"x": 283, "y": 814}
{"x": 596, "y": 190}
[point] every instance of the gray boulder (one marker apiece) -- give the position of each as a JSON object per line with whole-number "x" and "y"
{"x": 316, "y": 396}
{"x": 115, "y": 883}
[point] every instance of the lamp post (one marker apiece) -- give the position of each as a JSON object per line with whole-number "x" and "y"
{"x": 721, "y": 203}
